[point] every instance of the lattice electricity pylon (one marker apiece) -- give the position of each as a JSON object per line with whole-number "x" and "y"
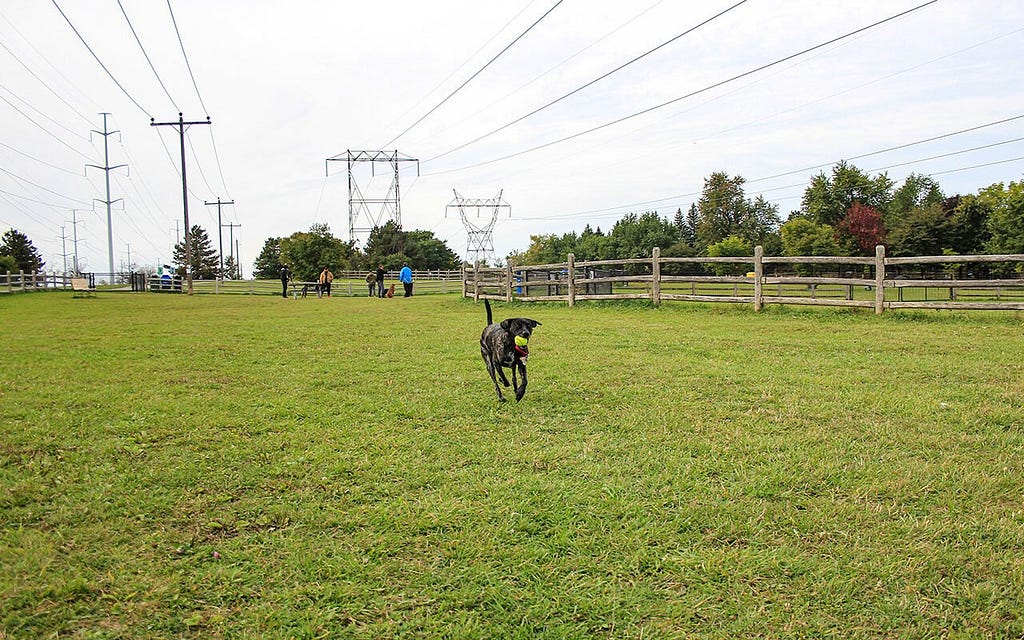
{"x": 361, "y": 216}
{"x": 479, "y": 237}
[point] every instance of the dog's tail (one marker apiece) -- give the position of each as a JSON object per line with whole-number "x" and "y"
{"x": 487, "y": 303}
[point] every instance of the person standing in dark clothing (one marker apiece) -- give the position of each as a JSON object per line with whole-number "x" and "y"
{"x": 380, "y": 280}
{"x": 286, "y": 275}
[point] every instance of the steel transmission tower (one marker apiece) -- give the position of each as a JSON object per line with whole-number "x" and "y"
{"x": 363, "y": 214}
{"x": 480, "y": 235}
{"x": 107, "y": 169}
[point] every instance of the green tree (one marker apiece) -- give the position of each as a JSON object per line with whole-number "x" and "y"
{"x": 205, "y": 263}
{"x": 390, "y": 246}
{"x": 723, "y": 210}
{"x": 923, "y": 231}
{"x": 230, "y": 269}
{"x": 268, "y": 262}
{"x": 1006, "y": 220}
{"x": 546, "y": 249}
{"x": 969, "y": 231}
{"x": 307, "y": 252}
{"x": 426, "y": 252}
{"x": 8, "y": 263}
{"x": 801, "y": 237}
{"x": 733, "y": 246}
{"x": 761, "y": 226}
{"x": 17, "y": 246}
{"x": 828, "y": 198}
{"x": 636, "y": 236}
{"x": 594, "y": 245}
{"x": 386, "y": 246}
{"x": 917, "y": 191}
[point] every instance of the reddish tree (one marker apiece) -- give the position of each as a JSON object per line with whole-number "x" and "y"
{"x": 861, "y": 228}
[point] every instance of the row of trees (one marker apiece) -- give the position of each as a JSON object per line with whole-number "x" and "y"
{"x": 847, "y": 212}
{"x": 307, "y": 252}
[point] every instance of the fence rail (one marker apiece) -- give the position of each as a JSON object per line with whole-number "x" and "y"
{"x": 878, "y": 282}
{"x": 345, "y": 284}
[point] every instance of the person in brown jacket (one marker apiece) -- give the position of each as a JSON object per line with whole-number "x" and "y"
{"x": 326, "y": 278}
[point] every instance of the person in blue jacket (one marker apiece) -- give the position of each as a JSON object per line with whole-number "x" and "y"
{"x": 405, "y": 277}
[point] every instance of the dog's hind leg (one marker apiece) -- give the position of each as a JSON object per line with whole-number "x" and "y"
{"x": 490, "y": 370}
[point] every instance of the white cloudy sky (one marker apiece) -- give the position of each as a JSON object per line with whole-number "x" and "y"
{"x": 289, "y": 84}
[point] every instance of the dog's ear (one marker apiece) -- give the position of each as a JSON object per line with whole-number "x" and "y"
{"x": 533, "y": 323}
{"x": 506, "y": 325}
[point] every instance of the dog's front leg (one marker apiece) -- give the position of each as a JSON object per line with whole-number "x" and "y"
{"x": 520, "y": 388}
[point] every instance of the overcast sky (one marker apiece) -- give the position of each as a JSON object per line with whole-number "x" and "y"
{"x": 289, "y": 84}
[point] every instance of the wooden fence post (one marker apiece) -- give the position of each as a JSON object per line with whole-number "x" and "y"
{"x": 656, "y": 276}
{"x": 476, "y": 281}
{"x": 10, "y": 285}
{"x": 879, "y": 279}
{"x": 508, "y": 274}
{"x": 758, "y": 276}
{"x": 21, "y": 279}
{"x": 572, "y": 279}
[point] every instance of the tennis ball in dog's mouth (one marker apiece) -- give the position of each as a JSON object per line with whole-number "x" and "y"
{"x": 521, "y": 341}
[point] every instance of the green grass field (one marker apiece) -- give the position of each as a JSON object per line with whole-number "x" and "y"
{"x": 254, "y": 467}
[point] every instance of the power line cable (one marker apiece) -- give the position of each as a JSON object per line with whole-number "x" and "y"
{"x": 39, "y": 186}
{"x": 44, "y": 129}
{"x": 100, "y": 62}
{"x": 466, "y": 61}
{"x": 819, "y": 166}
{"x": 30, "y": 106}
{"x": 588, "y": 84}
{"x": 632, "y": 132}
{"x": 146, "y": 55}
{"x": 688, "y": 95}
{"x": 43, "y": 82}
{"x": 32, "y": 157}
{"x": 977, "y": 166}
{"x": 896, "y": 148}
{"x": 185, "y": 56}
{"x": 556, "y": 66}
{"x": 195, "y": 85}
{"x": 479, "y": 71}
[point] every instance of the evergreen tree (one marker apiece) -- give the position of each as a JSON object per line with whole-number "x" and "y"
{"x": 17, "y": 245}
{"x": 230, "y": 269}
{"x": 205, "y": 263}
{"x": 268, "y": 263}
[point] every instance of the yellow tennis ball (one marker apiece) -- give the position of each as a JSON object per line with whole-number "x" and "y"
{"x": 521, "y": 341}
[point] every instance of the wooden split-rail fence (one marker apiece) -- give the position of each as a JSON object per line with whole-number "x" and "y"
{"x": 878, "y": 283}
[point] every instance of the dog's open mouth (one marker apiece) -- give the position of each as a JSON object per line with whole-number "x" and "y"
{"x": 522, "y": 351}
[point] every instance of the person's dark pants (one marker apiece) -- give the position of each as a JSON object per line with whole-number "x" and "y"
{"x": 284, "y": 288}
{"x": 327, "y": 289}
{"x": 380, "y": 288}
{"x": 408, "y": 289}
{"x": 372, "y": 286}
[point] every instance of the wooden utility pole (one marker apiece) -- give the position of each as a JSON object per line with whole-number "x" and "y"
{"x": 220, "y": 236}
{"x": 181, "y": 124}
{"x": 231, "y": 241}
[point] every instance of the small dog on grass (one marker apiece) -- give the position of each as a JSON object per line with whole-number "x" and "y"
{"x": 506, "y": 344}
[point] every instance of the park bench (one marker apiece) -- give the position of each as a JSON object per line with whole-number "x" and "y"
{"x": 81, "y": 288}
